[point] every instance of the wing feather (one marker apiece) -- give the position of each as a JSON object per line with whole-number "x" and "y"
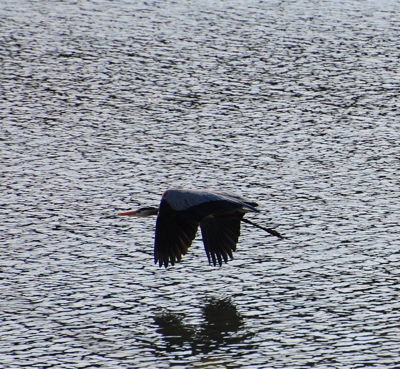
{"x": 186, "y": 199}
{"x": 174, "y": 234}
{"x": 220, "y": 236}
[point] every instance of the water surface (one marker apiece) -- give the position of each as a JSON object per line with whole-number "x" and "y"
{"x": 293, "y": 104}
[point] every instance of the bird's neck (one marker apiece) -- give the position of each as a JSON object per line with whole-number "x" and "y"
{"x": 153, "y": 211}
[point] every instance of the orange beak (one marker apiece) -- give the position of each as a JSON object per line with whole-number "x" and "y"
{"x": 127, "y": 213}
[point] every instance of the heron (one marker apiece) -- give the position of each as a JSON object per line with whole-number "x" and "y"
{"x": 181, "y": 212}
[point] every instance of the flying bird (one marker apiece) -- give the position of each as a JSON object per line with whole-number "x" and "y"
{"x": 180, "y": 214}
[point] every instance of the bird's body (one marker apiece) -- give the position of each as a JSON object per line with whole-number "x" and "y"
{"x": 180, "y": 214}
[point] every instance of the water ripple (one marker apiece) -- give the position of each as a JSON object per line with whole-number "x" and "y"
{"x": 105, "y": 105}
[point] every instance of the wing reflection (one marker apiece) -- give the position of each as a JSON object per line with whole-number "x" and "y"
{"x": 222, "y": 325}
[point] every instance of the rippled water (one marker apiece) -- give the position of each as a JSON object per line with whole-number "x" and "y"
{"x": 104, "y": 105}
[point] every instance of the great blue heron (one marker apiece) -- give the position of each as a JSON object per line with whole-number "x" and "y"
{"x": 182, "y": 211}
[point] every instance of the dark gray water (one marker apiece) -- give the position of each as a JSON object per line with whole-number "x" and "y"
{"x": 105, "y": 104}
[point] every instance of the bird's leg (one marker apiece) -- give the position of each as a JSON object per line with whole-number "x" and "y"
{"x": 269, "y": 230}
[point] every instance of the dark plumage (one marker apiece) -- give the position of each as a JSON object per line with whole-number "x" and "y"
{"x": 180, "y": 214}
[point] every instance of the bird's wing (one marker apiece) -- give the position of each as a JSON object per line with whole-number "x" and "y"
{"x": 189, "y": 199}
{"x": 220, "y": 236}
{"x": 174, "y": 234}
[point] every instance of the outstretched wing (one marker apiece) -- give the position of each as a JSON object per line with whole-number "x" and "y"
{"x": 220, "y": 236}
{"x": 174, "y": 234}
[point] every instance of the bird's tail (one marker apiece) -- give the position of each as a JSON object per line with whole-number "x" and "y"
{"x": 269, "y": 230}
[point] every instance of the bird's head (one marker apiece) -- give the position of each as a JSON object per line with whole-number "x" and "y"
{"x": 142, "y": 212}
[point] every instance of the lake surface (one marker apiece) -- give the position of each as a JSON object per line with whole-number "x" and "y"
{"x": 293, "y": 104}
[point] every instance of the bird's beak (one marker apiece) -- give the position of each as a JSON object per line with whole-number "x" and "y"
{"x": 128, "y": 213}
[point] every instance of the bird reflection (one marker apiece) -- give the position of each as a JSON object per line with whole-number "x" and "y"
{"x": 222, "y": 325}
